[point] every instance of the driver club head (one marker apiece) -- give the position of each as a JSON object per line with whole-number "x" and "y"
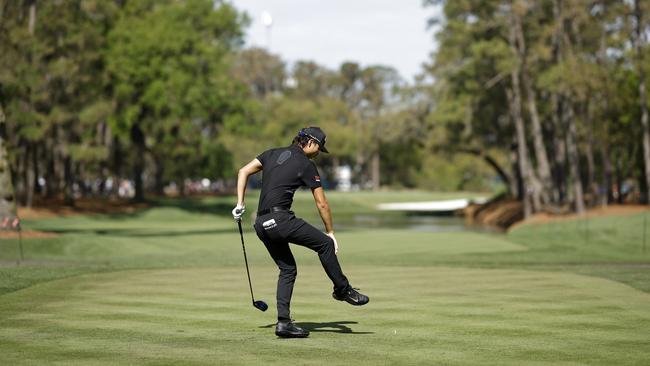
{"x": 261, "y": 305}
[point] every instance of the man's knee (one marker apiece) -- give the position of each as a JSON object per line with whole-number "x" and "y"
{"x": 289, "y": 272}
{"x": 326, "y": 246}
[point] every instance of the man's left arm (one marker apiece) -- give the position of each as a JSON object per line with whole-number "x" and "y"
{"x": 323, "y": 208}
{"x": 325, "y": 214}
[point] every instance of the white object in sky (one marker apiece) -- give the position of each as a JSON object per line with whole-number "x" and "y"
{"x": 267, "y": 19}
{"x": 431, "y": 206}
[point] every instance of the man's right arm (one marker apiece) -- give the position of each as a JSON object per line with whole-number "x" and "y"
{"x": 242, "y": 181}
{"x": 242, "y": 178}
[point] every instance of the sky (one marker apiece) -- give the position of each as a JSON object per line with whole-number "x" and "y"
{"x": 370, "y": 32}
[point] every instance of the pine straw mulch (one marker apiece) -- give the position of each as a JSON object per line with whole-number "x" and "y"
{"x": 48, "y": 208}
{"x": 507, "y": 214}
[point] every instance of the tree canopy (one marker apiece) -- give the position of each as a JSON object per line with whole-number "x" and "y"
{"x": 542, "y": 100}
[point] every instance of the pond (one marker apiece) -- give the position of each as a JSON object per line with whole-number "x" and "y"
{"x": 414, "y": 222}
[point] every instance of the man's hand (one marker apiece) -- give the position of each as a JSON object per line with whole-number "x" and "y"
{"x": 238, "y": 211}
{"x": 336, "y": 245}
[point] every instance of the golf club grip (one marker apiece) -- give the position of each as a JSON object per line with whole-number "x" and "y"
{"x": 250, "y": 285}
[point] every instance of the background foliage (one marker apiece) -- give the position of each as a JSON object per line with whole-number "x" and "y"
{"x": 545, "y": 100}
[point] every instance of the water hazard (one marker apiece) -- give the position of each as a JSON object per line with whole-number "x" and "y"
{"x": 414, "y": 222}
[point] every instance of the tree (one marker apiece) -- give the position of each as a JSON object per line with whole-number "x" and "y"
{"x": 569, "y": 63}
{"x": 471, "y": 101}
{"x": 523, "y": 58}
{"x": 7, "y": 201}
{"x": 262, "y": 71}
{"x": 52, "y": 74}
{"x": 639, "y": 40}
{"x": 168, "y": 63}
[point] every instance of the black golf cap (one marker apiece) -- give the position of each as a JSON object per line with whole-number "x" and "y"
{"x": 317, "y": 135}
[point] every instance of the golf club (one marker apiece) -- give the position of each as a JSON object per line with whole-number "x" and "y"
{"x": 261, "y": 305}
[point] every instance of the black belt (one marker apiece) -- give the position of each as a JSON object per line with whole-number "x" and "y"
{"x": 273, "y": 209}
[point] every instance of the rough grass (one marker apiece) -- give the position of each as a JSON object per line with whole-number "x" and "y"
{"x": 167, "y": 285}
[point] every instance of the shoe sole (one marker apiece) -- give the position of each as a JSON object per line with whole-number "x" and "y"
{"x": 351, "y": 303}
{"x": 292, "y": 335}
{"x": 357, "y": 304}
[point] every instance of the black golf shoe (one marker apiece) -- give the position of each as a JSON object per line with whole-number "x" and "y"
{"x": 352, "y": 296}
{"x": 286, "y": 329}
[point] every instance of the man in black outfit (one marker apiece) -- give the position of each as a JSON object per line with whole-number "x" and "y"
{"x": 284, "y": 171}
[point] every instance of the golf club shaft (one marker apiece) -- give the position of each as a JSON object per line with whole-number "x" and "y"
{"x": 250, "y": 285}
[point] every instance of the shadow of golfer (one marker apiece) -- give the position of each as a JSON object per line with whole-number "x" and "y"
{"x": 333, "y": 327}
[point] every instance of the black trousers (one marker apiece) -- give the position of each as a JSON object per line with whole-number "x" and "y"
{"x": 277, "y": 230}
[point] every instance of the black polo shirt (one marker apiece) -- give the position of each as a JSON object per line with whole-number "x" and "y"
{"x": 284, "y": 170}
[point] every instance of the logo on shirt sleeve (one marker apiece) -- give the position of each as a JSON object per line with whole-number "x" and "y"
{"x": 317, "y": 178}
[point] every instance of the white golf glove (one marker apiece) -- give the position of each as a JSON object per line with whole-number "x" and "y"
{"x": 238, "y": 212}
{"x": 336, "y": 245}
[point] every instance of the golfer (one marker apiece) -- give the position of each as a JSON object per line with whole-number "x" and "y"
{"x": 285, "y": 170}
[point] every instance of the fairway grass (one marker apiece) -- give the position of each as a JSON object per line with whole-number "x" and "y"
{"x": 451, "y": 316}
{"x": 167, "y": 286}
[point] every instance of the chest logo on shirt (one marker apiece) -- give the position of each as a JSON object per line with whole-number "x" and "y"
{"x": 317, "y": 178}
{"x": 283, "y": 157}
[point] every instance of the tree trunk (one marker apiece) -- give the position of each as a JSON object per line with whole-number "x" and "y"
{"x": 574, "y": 164}
{"x": 7, "y": 196}
{"x": 32, "y": 16}
{"x": 37, "y": 172}
{"x": 543, "y": 166}
{"x": 559, "y": 147}
{"x": 137, "y": 138}
{"x": 522, "y": 151}
{"x": 592, "y": 188}
{"x": 116, "y": 165}
{"x": 60, "y": 160}
{"x": 29, "y": 175}
{"x": 531, "y": 191}
{"x": 606, "y": 192}
{"x": 51, "y": 181}
{"x": 68, "y": 188}
{"x": 18, "y": 174}
{"x": 517, "y": 184}
{"x": 159, "y": 184}
{"x": 375, "y": 171}
{"x": 359, "y": 170}
{"x": 640, "y": 176}
{"x": 619, "y": 179}
{"x": 492, "y": 163}
{"x": 639, "y": 36}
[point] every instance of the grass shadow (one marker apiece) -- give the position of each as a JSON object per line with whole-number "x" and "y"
{"x": 196, "y": 205}
{"x": 188, "y": 204}
{"x": 142, "y": 233}
{"x": 331, "y": 327}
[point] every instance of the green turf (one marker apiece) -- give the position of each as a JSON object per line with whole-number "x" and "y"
{"x": 166, "y": 285}
{"x": 417, "y": 315}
